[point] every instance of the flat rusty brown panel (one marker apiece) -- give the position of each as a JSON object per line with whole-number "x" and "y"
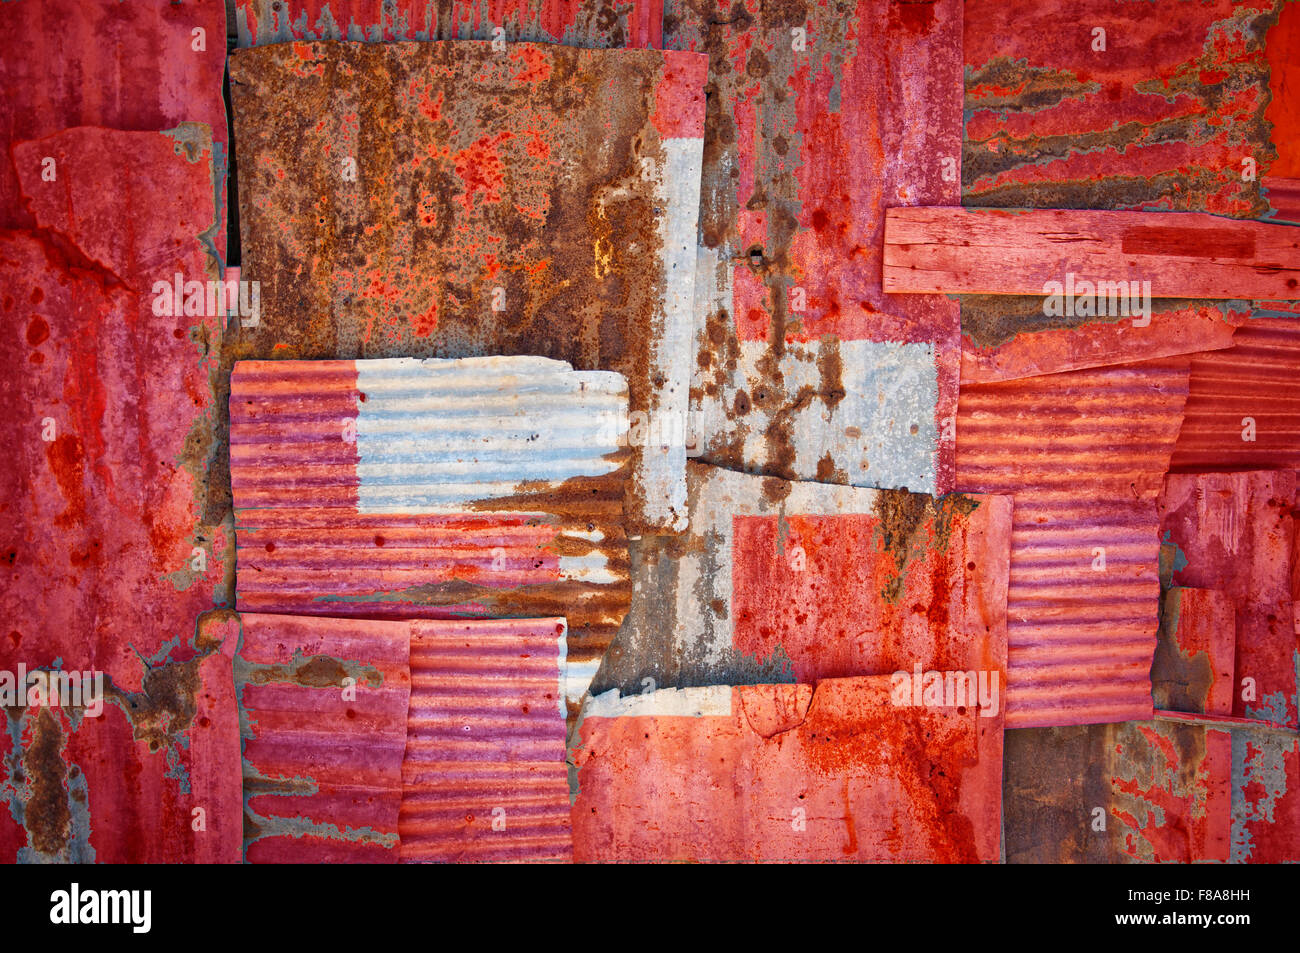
{"x": 1194, "y": 661}
{"x": 821, "y": 114}
{"x": 781, "y": 581}
{"x": 839, "y": 771}
{"x": 130, "y": 66}
{"x": 406, "y": 488}
{"x": 588, "y": 23}
{"x": 1235, "y": 532}
{"x": 1243, "y": 408}
{"x": 484, "y": 776}
{"x": 540, "y": 200}
{"x": 323, "y": 707}
{"x": 110, "y": 560}
{"x": 1083, "y": 454}
{"x": 1149, "y": 792}
{"x": 1028, "y": 251}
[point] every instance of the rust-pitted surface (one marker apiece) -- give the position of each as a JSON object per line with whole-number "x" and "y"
{"x": 1156, "y": 791}
{"x": 108, "y": 559}
{"x": 447, "y": 200}
{"x": 1161, "y": 119}
{"x": 1083, "y": 453}
{"x": 1195, "y": 656}
{"x": 805, "y": 369}
{"x": 1235, "y": 533}
{"x": 323, "y": 706}
{"x": 595, "y": 23}
{"x": 129, "y": 66}
{"x": 484, "y": 777}
{"x": 831, "y": 772}
{"x": 798, "y": 582}
{"x": 433, "y": 489}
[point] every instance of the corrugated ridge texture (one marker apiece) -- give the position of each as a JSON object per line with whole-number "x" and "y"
{"x": 1257, "y": 378}
{"x": 519, "y": 457}
{"x": 484, "y": 776}
{"x": 322, "y": 756}
{"x": 1083, "y": 454}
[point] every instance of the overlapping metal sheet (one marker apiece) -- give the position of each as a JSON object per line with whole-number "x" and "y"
{"x": 630, "y": 23}
{"x": 1243, "y": 408}
{"x": 407, "y": 488}
{"x": 1161, "y": 118}
{"x": 780, "y": 581}
{"x": 1171, "y": 790}
{"x": 551, "y": 211}
{"x": 838, "y": 771}
{"x": 323, "y": 707}
{"x": 484, "y": 776}
{"x": 821, "y": 115}
{"x": 1235, "y": 533}
{"x": 1083, "y": 453}
{"x": 1195, "y": 659}
{"x": 109, "y": 561}
{"x": 128, "y": 66}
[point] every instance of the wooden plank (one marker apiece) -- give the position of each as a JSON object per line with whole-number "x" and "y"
{"x": 1000, "y": 251}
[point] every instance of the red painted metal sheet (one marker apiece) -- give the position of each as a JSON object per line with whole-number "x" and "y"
{"x": 631, "y": 23}
{"x": 1284, "y": 197}
{"x": 1195, "y": 657}
{"x": 130, "y": 66}
{"x": 831, "y": 772}
{"x": 1243, "y": 409}
{"x": 109, "y": 559}
{"x": 323, "y": 705}
{"x": 1182, "y": 789}
{"x": 541, "y": 200}
{"x": 820, "y": 115}
{"x": 1236, "y": 532}
{"x": 1083, "y": 454}
{"x": 484, "y": 777}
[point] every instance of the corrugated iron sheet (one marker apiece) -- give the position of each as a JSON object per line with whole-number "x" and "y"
{"x": 1156, "y": 791}
{"x": 820, "y": 115}
{"x": 782, "y": 581}
{"x": 632, "y": 23}
{"x": 409, "y": 488}
{"x": 542, "y": 200}
{"x": 1235, "y": 533}
{"x": 484, "y": 778}
{"x": 109, "y": 561}
{"x": 1161, "y": 119}
{"x": 1083, "y": 453}
{"x": 129, "y": 66}
{"x": 323, "y": 708}
{"x": 1243, "y": 408}
{"x": 832, "y": 772}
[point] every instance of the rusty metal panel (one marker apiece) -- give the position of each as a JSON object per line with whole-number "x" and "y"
{"x": 484, "y": 777}
{"x": 780, "y": 581}
{"x": 1171, "y": 790}
{"x": 1195, "y": 654}
{"x": 610, "y": 23}
{"x": 839, "y": 771}
{"x": 821, "y": 114}
{"x": 323, "y": 707}
{"x": 542, "y": 200}
{"x": 1161, "y": 119}
{"x": 408, "y": 488}
{"x": 1083, "y": 453}
{"x": 108, "y": 559}
{"x": 130, "y": 66}
{"x": 1235, "y": 533}
{"x": 1243, "y": 408}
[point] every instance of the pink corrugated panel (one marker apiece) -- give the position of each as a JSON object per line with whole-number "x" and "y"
{"x": 484, "y": 777}
{"x": 1083, "y": 453}
{"x": 324, "y": 704}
